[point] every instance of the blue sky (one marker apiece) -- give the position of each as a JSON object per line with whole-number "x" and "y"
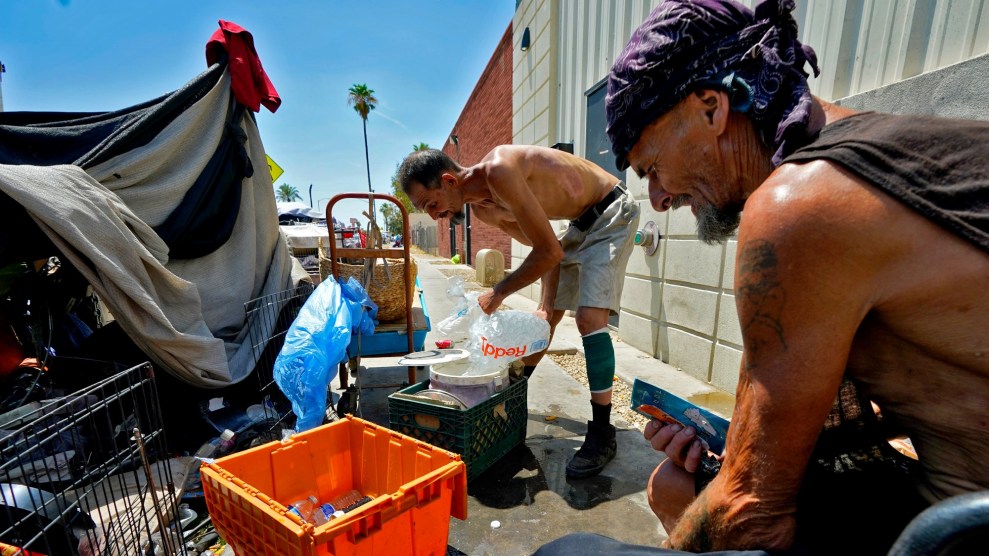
{"x": 422, "y": 59}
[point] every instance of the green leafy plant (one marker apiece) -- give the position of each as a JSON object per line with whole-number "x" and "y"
{"x": 286, "y": 193}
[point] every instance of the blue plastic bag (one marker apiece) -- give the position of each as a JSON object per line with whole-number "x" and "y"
{"x": 316, "y": 343}
{"x": 363, "y": 310}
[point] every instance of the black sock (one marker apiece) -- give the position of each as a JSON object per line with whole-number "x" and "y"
{"x": 601, "y": 413}
{"x": 527, "y": 370}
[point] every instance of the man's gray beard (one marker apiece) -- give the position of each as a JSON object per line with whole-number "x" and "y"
{"x": 714, "y": 224}
{"x": 458, "y": 217}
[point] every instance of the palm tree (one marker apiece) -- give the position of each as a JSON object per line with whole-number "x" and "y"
{"x": 420, "y": 147}
{"x": 363, "y": 101}
{"x": 286, "y": 193}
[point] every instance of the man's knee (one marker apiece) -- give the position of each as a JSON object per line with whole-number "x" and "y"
{"x": 591, "y": 319}
{"x": 655, "y": 488}
{"x": 669, "y": 491}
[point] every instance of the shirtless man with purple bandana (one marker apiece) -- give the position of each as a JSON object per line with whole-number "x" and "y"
{"x": 861, "y": 275}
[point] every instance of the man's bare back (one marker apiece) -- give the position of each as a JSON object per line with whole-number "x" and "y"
{"x": 922, "y": 351}
{"x": 918, "y": 294}
{"x": 518, "y": 189}
{"x": 564, "y": 185}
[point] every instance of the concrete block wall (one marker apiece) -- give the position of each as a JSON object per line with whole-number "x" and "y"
{"x": 678, "y": 304}
{"x": 420, "y": 221}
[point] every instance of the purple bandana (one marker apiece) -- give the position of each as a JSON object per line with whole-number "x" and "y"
{"x": 687, "y": 44}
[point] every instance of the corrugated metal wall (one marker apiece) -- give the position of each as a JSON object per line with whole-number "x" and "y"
{"x": 683, "y": 310}
{"x": 865, "y": 44}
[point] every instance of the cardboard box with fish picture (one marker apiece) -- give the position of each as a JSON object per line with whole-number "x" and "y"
{"x": 656, "y": 403}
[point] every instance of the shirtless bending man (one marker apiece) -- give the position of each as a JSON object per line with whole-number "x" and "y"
{"x": 863, "y": 255}
{"x": 519, "y": 189}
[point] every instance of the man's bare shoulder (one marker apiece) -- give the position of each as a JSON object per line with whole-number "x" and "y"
{"x": 816, "y": 198}
{"x": 823, "y": 221}
{"x": 501, "y": 153}
{"x": 532, "y": 163}
{"x": 503, "y": 161}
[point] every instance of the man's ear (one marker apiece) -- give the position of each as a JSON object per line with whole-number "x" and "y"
{"x": 449, "y": 179}
{"x": 714, "y": 106}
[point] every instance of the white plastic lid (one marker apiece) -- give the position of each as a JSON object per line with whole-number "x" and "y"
{"x": 227, "y": 434}
{"x": 434, "y": 356}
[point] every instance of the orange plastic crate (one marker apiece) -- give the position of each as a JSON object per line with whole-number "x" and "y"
{"x": 415, "y": 487}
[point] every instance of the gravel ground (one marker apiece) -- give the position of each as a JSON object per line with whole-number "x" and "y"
{"x": 621, "y": 392}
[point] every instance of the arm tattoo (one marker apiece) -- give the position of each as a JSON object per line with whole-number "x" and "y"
{"x": 761, "y": 290}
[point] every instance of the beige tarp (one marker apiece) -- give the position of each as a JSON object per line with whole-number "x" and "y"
{"x": 186, "y": 314}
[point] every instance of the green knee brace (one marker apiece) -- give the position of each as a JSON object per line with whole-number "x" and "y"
{"x": 600, "y": 355}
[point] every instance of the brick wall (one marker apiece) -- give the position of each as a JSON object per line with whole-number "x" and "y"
{"x": 484, "y": 123}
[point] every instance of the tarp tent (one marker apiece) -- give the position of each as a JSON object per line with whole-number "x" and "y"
{"x": 298, "y": 212}
{"x": 166, "y": 209}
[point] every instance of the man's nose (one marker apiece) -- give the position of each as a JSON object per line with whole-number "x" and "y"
{"x": 659, "y": 198}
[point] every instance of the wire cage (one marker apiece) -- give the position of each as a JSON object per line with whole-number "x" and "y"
{"x": 89, "y": 473}
{"x": 268, "y": 320}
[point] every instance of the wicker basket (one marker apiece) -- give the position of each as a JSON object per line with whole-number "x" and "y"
{"x": 386, "y": 287}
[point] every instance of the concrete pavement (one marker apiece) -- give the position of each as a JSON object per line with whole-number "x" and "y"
{"x": 525, "y": 500}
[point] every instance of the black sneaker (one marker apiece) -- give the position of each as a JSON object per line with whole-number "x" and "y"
{"x": 599, "y": 448}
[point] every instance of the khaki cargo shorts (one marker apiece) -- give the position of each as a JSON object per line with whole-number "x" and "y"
{"x": 592, "y": 271}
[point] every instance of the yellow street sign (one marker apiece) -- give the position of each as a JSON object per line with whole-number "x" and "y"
{"x": 274, "y": 168}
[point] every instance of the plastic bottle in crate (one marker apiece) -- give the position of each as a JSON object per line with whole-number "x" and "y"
{"x": 311, "y": 511}
{"x": 304, "y": 508}
{"x": 324, "y": 513}
{"x": 349, "y": 500}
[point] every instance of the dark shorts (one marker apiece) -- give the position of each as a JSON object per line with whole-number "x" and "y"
{"x": 842, "y": 509}
{"x": 870, "y": 502}
{"x": 858, "y": 492}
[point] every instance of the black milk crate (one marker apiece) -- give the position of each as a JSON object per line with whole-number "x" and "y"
{"x": 481, "y": 434}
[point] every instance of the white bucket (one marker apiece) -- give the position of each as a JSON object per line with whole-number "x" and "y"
{"x": 471, "y": 388}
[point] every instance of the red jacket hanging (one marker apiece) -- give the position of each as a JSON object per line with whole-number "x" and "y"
{"x": 250, "y": 83}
